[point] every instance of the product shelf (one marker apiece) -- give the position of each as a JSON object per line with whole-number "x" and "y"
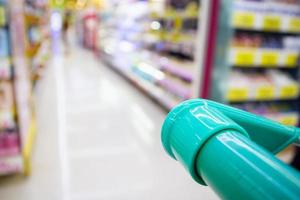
{"x": 262, "y": 93}
{"x": 283, "y": 112}
{"x": 161, "y": 58}
{"x": 182, "y": 69}
{"x": 257, "y": 58}
{"x": 176, "y": 37}
{"x": 147, "y": 86}
{"x": 16, "y": 112}
{"x": 290, "y": 119}
{"x": 266, "y": 16}
{"x": 176, "y": 88}
{"x": 272, "y": 85}
{"x": 151, "y": 68}
{"x": 263, "y": 57}
{"x": 172, "y": 14}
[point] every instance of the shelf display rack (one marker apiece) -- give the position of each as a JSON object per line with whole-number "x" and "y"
{"x": 37, "y": 41}
{"x": 155, "y": 46}
{"x": 17, "y": 124}
{"x": 239, "y": 52}
{"x": 256, "y": 64}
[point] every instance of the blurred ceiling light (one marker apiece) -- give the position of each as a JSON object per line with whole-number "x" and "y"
{"x": 155, "y": 25}
{"x": 149, "y": 69}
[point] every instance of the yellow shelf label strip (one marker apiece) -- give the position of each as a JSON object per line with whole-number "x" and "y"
{"x": 244, "y": 19}
{"x": 265, "y": 93}
{"x": 272, "y": 22}
{"x": 237, "y": 94}
{"x": 269, "y": 58}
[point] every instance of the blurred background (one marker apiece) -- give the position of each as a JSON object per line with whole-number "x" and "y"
{"x": 86, "y": 84}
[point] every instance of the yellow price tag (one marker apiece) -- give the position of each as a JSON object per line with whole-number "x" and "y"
{"x": 237, "y": 94}
{"x": 176, "y": 37}
{"x": 289, "y": 120}
{"x": 244, "y": 20}
{"x": 265, "y": 93}
{"x": 289, "y": 91}
{"x": 291, "y": 60}
{"x": 294, "y": 24}
{"x": 170, "y": 13}
{"x": 154, "y": 15}
{"x": 269, "y": 58}
{"x": 272, "y": 22}
{"x": 244, "y": 57}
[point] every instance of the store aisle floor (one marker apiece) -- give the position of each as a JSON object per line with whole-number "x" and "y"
{"x": 98, "y": 138}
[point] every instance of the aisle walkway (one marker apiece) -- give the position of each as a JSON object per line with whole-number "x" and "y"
{"x": 99, "y": 139}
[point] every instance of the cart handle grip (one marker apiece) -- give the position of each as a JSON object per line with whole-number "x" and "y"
{"x": 221, "y": 147}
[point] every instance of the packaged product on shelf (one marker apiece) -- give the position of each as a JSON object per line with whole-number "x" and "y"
{"x": 291, "y": 42}
{"x": 256, "y": 50}
{"x": 6, "y": 96}
{"x": 5, "y": 71}
{"x": 4, "y": 48}
{"x": 6, "y": 105}
{"x": 9, "y": 143}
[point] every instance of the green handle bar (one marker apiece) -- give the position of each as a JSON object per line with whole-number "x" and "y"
{"x": 231, "y": 150}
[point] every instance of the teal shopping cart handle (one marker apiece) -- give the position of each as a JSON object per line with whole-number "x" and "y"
{"x": 267, "y": 133}
{"x": 231, "y": 150}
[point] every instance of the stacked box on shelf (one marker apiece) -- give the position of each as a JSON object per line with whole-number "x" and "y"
{"x": 261, "y": 61}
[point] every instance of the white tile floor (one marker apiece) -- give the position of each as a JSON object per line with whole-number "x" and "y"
{"x": 98, "y": 138}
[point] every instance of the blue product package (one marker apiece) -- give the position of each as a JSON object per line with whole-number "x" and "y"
{"x": 4, "y": 47}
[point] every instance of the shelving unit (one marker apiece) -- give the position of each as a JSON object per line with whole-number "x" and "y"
{"x": 189, "y": 49}
{"x": 9, "y": 137}
{"x": 155, "y": 46}
{"x": 37, "y": 40}
{"x": 17, "y": 125}
{"x": 259, "y": 49}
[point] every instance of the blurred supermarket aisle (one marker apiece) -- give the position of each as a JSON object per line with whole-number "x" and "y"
{"x": 104, "y": 143}
{"x": 98, "y": 137}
